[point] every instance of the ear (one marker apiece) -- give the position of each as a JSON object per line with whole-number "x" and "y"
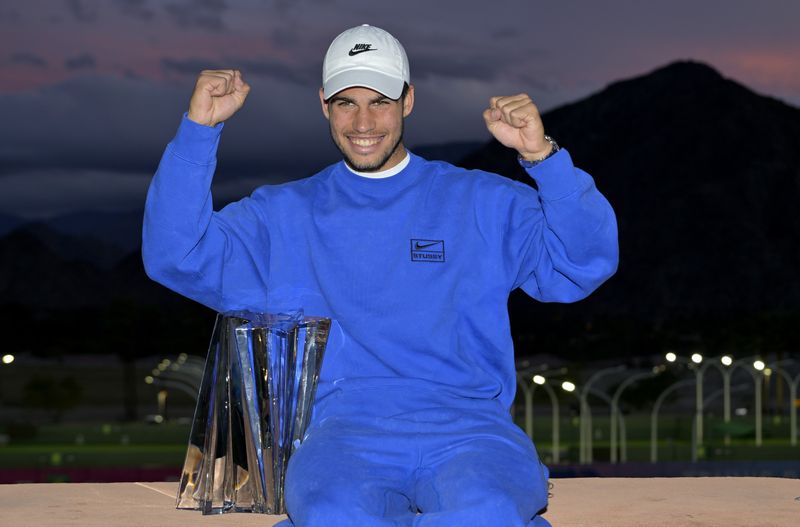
{"x": 408, "y": 102}
{"x": 324, "y": 104}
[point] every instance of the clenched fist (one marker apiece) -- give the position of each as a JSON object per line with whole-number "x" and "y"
{"x": 218, "y": 94}
{"x": 515, "y": 121}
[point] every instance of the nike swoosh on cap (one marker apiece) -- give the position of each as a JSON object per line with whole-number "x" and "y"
{"x": 357, "y": 51}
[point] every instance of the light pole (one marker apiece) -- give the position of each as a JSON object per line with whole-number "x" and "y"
{"x": 615, "y": 413}
{"x": 527, "y": 392}
{"x": 6, "y": 360}
{"x": 523, "y": 378}
{"x": 539, "y": 380}
{"x": 708, "y": 400}
{"x": 793, "y": 384}
{"x": 569, "y": 387}
{"x": 586, "y": 412}
{"x": 654, "y": 416}
{"x": 697, "y": 361}
{"x": 590, "y": 448}
{"x": 759, "y": 366}
{"x": 726, "y": 361}
{"x": 756, "y": 372}
{"x": 698, "y": 407}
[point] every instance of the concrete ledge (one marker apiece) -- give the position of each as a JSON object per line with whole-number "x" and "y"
{"x": 617, "y": 502}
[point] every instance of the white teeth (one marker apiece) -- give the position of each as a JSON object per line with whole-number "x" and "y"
{"x": 365, "y": 142}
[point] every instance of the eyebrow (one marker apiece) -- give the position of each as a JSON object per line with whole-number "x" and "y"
{"x": 378, "y": 98}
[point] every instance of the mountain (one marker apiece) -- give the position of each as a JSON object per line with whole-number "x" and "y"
{"x": 75, "y": 248}
{"x": 9, "y": 223}
{"x": 42, "y": 268}
{"x": 704, "y": 176}
{"x": 32, "y": 273}
{"x": 450, "y": 152}
{"x": 121, "y": 229}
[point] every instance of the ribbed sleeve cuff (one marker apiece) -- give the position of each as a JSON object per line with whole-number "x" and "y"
{"x": 556, "y": 177}
{"x": 195, "y": 142}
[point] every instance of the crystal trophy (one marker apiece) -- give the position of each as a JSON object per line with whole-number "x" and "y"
{"x": 252, "y": 412}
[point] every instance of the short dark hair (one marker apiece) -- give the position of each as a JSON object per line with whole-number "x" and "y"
{"x": 404, "y": 92}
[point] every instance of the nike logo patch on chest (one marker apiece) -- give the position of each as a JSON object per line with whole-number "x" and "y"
{"x": 427, "y": 250}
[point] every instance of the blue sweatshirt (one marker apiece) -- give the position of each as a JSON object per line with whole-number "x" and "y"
{"x": 415, "y": 269}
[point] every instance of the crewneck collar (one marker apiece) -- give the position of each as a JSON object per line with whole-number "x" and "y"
{"x": 389, "y": 172}
{"x": 408, "y": 173}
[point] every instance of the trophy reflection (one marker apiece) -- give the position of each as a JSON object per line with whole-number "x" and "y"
{"x": 253, "y": 409}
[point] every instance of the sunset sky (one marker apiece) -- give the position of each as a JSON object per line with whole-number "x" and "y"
{"x": 91, "y": 91}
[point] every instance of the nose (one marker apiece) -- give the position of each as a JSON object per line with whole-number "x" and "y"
{"x": 364, "y": 120}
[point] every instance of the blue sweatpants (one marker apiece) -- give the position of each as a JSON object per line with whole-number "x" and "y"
{"x": 390, "y": 458}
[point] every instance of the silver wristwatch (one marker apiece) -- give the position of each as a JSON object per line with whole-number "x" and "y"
{"x": 530, "y": 164}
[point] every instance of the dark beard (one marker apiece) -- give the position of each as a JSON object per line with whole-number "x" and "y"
{"x": 375, "y": 167}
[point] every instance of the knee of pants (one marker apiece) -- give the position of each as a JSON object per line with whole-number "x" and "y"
{"x": 320, "y": 509}
{"x": 315, "y": 510}
{"x": 314, "y": 500}
{"x": 494, "y": 509}
{"x": 479, "y": 500}
{"x": 502, "y": 509}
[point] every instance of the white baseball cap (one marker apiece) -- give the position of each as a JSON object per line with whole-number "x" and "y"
{"x": 365, "y": 56}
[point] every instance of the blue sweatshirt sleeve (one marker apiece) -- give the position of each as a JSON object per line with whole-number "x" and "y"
{"x": 565, "y": 239}
{"x": 216, "y": 258}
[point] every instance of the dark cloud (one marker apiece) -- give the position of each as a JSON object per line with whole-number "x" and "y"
{"x": 81, "y": 11}
{"x": 81, "y": 62}
{"x": 458, "y": 56}
{"x": 91, "y": 122}
{"x": 190, "y": 66}
{"x": 126, "y": 123}
{"x": 284, "y": 7}
{"x": 27, "y": 59}
{"x": 9, "y": 14}
{"x": 284, "y": 37}
{"x": 544, "y": 84}
{"x": 203, "y": 14}
{"x": 425, "y": 65}
{"x": 504, "y": 33}
{"x": 136, "y": 8}
{"x": 307, "y": 75}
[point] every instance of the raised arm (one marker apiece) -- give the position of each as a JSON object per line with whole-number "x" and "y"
{"x": 218, "y": 259}
{"x": 561, "y": 241}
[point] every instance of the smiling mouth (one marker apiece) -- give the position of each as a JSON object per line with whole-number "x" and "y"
{"x": 365, "y": 142}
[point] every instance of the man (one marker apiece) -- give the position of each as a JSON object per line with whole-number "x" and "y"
{"x": 414, "y": 261}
